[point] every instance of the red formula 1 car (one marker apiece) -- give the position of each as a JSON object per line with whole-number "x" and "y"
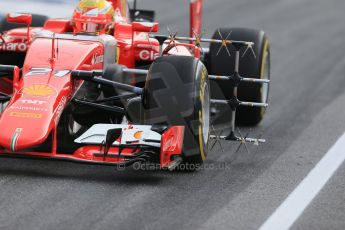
{"x": 103, "y": 88}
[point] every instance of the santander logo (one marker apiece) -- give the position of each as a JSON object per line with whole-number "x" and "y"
{"x": 22, "y": 47}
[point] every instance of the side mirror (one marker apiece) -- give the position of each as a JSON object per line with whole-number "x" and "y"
{"x": 19, "y": 18}
{"x": 142, "y": 15}
{"x": 149, "y": 27}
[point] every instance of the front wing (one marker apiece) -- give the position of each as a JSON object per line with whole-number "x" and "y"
{"x": 119, "y": 145}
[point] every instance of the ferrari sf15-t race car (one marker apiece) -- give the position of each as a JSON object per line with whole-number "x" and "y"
{"x": 125, "y": 94}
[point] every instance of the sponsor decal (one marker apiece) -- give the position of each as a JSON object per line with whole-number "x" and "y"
{"x": 33, "y": 102}
{"x": 60, "y": 109}
{"x": 138, "y": 135}
{"x": 29, "y": 108}
{"x": 38, "y": 91}
{"x": 26, "y": 115}
{"x": 38, "y": 72}
{"x": 46, "y": 71}
{"x": 61, "y": 73}
{"x": 148, "y": 55}
{"x": 144, "y": 46}
{"x": 96, "y": 59}
{"x": 13, "y": 47}
{"x": 15, "y": 138}
{"x": 30, "y": 105}
{"x": 201, "y": 115}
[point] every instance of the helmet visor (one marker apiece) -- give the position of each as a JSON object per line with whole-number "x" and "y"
{"x": 91, "y": 27}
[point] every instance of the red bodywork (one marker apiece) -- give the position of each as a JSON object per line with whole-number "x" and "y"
{"x": 171, "y": 145}
{"x": 40, "y": 94}
{"x": 39, "y": 98}
{"x": 195, "y": 17}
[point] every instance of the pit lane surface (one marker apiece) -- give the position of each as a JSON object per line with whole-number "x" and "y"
{"x": 306, "y": 117}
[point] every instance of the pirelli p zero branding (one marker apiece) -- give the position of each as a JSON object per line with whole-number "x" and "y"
{"x": 26, "y": 115}
{"x": 202, "y": 118}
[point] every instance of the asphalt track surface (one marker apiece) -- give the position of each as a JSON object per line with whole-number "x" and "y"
{"x": 305, "y": 118}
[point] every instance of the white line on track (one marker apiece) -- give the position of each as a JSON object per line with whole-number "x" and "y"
{"x": 293, "y": 207}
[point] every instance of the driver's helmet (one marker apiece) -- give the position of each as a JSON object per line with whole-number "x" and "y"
{"x": 93, "y": 16}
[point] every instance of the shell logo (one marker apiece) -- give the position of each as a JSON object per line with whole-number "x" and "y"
{"x": 39, "y": 90}
{"x": 138, "y": 135}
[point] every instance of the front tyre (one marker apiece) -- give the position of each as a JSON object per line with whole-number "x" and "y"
{"x": 177, "y": 93}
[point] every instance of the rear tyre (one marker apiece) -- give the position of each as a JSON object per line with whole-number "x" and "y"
{"x": 13, "y": 58}
{"x": 114, "y": 72}
{"x": 177, "y": 93}
{"x": 220, "y": 63}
